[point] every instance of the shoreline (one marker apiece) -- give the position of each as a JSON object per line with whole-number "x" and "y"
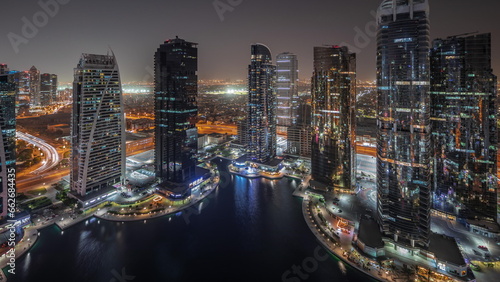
{"x": 325, "y": 244}
{"x": 31, "y": 232}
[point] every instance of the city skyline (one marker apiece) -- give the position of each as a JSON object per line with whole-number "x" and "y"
{"x": 318, "y": 26}
{"x": 303, "y": 175}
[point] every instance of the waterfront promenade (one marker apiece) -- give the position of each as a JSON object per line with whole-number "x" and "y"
{"x": 66, "y": 220}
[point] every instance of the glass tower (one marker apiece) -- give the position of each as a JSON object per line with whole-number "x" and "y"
{"x": 333, "y": 117}
{"x": 299, "y": 135}
{"x": 403, "y": 141}
{"x": 463, "y": 114}
{"x": 7, "y": 140}
{"x": 4, "y": 69}
{"x": 286, "y": 90}
{"x": 176, "y": 87}
{"x": 22, "y": 81}
{"x": 48, "y": 89}
{"x": 34, "y": 86}
{"x": 261, "y": 119}
{"x": 98, "y": 126}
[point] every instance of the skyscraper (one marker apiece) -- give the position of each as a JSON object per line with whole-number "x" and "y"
{"x": 34, "y": 85}
{"x": 48, "y": 89}
{"x": 22, "y": 81}
{"x": 4, "y": 69}
{"x": 299, "y": 135}
{"x": 333, "y": 117}
{"x": 7, "y": 140}
{"x": 97, "y": 129}
{"x": 287, "y": 74}
{"x": 463, "y": 114}
{"x": 403, "y": 145}
{"x": 176, "y": 136}
{"x": 261, "y": 114}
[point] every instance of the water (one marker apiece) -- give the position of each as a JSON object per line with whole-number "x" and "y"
{"x": 248, "y": 230}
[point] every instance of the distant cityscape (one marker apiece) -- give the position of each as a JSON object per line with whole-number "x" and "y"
{"x": 398, "y": 178}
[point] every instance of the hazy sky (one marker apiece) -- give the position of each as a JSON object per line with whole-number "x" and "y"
{"x": 134, "y": 29}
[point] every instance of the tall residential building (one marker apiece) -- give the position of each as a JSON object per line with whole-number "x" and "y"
{"x": 333, "y": 94}
{"x": 48, "y": 89}
{"x": 176, "y": 136}
{"x": 403, "y": 145}
{"x": 299, "y": 135}
{"x": 97, "y": 129}
{"x": 7, "y": 140}
{"x": 4, "y": 69}
{"x": 242, "y": 130}
{"x": 261, "y": 114}
{"x": 287, "y": 78}
{"x": 464, "y": 137}
{"x": 22, "y": 81}
{"x": 34, "y": 85}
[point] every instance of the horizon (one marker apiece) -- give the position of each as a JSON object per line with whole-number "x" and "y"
{"x": 222, "y": 55}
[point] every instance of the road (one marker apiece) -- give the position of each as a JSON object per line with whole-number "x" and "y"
{"x": 222, "y": 129}
{"x": 50, "y": 153}
{"x": 50, "y": 177}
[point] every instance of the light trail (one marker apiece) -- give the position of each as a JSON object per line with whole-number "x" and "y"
{"x": 51, "y": 156}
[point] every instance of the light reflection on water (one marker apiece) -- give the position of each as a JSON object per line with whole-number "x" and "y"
{"x": 253, "y": 230}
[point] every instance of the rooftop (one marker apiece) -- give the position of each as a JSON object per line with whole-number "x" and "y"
{"x": 369, "y": 233}
{"x": 445, "y": 248}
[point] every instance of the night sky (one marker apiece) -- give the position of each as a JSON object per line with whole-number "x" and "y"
{"x": 134, "y": 29}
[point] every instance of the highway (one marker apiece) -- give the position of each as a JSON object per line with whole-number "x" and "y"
{"x": 222, "y": 129}
{"x": 51, "y": 159}
{"x": 49, "y": 177}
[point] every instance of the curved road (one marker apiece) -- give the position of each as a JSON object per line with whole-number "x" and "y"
{"x": 51, "y": 156}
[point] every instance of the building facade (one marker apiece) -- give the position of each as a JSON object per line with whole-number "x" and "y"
{"x": 4, "y": 69}
{"x": 261, "y": 114}
{"x": 299, "y": 135}
{"x": 34, "y": 87}
{"x": 7, "y": 141}
{"x": 48, "y": 89}
{"x": 403, "y": 141}
{"x": 464, "y": 137}
{"x": 97, "y": 129}
{"x": 22, "y": 81}
{"x": 176, "y": 86}
{"x": 287, "y": 78}
{"x": 333, "y": 117}
{"x": 242, "y": 131}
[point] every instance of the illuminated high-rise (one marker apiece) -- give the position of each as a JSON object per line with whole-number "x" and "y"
{"x": 22, "y": 82}
{"x": 48, "y": 89}
{"x": 333, "y": 117}
{"x": 34, "y": 86}
{"x": 287, "y": 77}
{"x": 403, "y": 145}
{"x": 464, "y": 127}
{"x": 176, "y": 136}
{"x": 7, "y": 141}
{"x": 299, "y": 135}
{"x": 261, "y": 115}
{"x": 4, "y": 69}
{"x": 97, "y": 129}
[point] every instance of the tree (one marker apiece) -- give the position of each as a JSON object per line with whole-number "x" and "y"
{"x": 37, "y": 159}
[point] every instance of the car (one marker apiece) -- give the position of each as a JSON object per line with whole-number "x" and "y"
{"x": 340, "y": 211}
{"x": 484, "y": 248}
